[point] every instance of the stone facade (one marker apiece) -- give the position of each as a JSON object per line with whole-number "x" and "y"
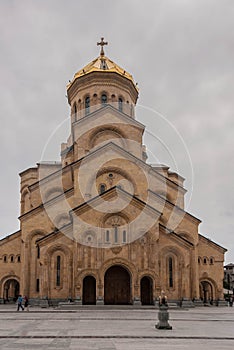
{"x": 103, "y": 225}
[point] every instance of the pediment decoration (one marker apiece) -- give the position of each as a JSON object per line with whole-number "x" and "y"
{"x": 116, "y": 250}
{"x": 115, "y": 220}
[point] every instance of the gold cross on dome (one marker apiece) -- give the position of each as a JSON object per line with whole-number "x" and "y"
{"x": 102, "y": 43}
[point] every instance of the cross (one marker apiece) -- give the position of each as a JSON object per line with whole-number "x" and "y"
{"x": 102, "y": 43}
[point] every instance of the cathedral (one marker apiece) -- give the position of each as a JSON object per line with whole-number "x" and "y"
{"x": 102, "y": 226}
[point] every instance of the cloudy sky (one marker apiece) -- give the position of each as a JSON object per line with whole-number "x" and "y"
{"x": 181, "y": 53}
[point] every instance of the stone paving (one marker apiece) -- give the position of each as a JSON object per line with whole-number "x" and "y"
{"x": 115, "y": 329}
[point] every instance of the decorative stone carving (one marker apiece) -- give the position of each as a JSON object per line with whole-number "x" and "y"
{"x": 116, "y": 250}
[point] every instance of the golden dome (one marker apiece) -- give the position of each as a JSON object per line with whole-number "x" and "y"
{"x": 102, "y": 64}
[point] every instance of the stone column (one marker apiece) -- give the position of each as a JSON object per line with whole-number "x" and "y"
{"x": 136, "y": 297}
{"x": 100, "y": 295}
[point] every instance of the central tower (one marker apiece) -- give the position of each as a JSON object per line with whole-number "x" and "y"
{"x": 101, "y": 82}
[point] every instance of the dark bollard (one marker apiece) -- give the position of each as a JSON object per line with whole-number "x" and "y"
{"x": 163, "y": 314}
{"x": 163, "y": 317}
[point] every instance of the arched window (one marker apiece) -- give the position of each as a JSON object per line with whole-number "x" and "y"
{"x": 205, "y": 260}
{"x": 170, "y": 271}
{"x": 124, "y": 236}
{"x": 107, "y": 235}
{"x": 104, "y": 99}
{"x": 18, "y": 258}
{"x": 120, "y": 104}
{"x": 37, "y": 285}
{"x": 12, "y": 258}
{"x": 87, "y": 105}
{"x": 102, "y": 188}
{"x": 5, "y": 258}
{"x": 211, "y": 261}
{"x": 38, "y": 252}
{"x": 116, "y": 234}
{"x": 75, "y": 111}
{"x": 58, "y": 270}
{"x": 199, "y": 260}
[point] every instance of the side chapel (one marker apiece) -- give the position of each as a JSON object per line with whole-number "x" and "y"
{"x": 103, "y": 226}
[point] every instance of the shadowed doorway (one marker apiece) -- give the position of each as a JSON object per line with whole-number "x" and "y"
{"x": 117, "y": 286}
{"x": 206, "y": 292}
{"x": 89, "y": 291}
{"x": 146, "y": 291}
{"x": 11, "y": 290}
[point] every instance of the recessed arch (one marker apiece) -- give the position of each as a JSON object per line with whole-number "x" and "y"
{"x": 95, "y": 179}
{"x": 103, "y": 135}
{"x": 89, "y": 290}
{"x": 10, "y": 287}
{"x": 62, "y": 220}
{"x": 172, "y": 262}
{"x": 25, "y": 199}
{"x": 120, "y": 104}
{"x": 113, "y": 219}
{"x": 208, "y": 290}
{"x": 74, "y": 111}
{"x": 117, "y": 286}
{"x": 102, "y": 188}
{"x": 34, "y": 235}
{"x": 104, "y": 98}
{"x": 87, "y": 104}
{"x": 58, "y": 248}
{"x": 58, "y": 269}
{"x": 146, "y": 287}
{"x": 52, "y": 193}
{"x": 118, "y": 174}
{"x": 186, "y": 235}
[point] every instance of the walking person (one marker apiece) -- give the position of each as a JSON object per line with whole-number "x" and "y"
{"x": 20, "y": 303}
{"x": 26, "y": 303}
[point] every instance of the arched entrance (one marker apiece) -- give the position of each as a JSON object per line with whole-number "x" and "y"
{"x": 11, "y": 290}
{"x": 117, "y": 286}
{"x": 89, "y": 290}
{"x": 206, "y": 292}
{"x": 146, "y": 291}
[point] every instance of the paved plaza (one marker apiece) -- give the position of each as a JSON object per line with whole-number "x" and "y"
{"x": 115, "y": 329}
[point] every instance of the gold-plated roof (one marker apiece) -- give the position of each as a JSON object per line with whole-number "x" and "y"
{"x": 102, "y": 64}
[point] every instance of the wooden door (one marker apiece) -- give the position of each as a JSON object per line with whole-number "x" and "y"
{"x": 89, "y": 290}
{"x": 146, "y": 291}
{"x": 117, "y": 286}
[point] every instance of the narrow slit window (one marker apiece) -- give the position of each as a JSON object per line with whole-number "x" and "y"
{"x": 116, "y": 234}
{"x": 58, "y": 270}
{"x": 170, "y": 265}
{"x": 37, "y": 285}
{"x": 120, "y": 105}
{"x": 124, "y": 236}
{"x": 104, "y": 99}
{"x": 102, "y": 188}
{"x": 75, "y": 111}
{"x": 38, "y": 252}
{"x": 87, "y": 105}
{"x": 107, "y": 235}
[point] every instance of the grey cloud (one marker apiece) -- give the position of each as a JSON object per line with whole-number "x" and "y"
{"x": 181, "y": 54}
